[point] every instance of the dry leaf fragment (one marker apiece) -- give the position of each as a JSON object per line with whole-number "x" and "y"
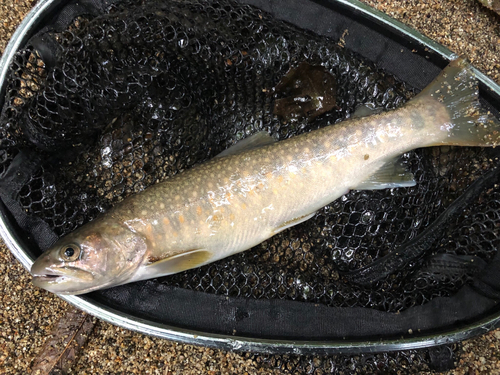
{"x": 63, "y": 345}
{"x": 305, "y": 92}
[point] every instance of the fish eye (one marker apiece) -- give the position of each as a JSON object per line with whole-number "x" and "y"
{"x": 70, "y": 252}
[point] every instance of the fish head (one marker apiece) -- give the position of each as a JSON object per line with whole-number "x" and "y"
{"x": 98, "y": 255}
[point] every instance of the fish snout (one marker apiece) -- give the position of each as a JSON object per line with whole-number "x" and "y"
{"x": 42, "y": 267}
{"x": 55, "y": 277}
{"x": 44, "y": 273}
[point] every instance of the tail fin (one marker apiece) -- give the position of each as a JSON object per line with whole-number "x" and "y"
{"x": 456, "y": 87}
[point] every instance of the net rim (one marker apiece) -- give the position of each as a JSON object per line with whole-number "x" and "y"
{"x": 20, "y": 250}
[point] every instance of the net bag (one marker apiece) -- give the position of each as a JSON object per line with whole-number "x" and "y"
{"x": 110, "y": 97}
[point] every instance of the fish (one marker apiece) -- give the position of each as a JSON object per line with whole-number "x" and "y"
{"x": 260, "y": 187}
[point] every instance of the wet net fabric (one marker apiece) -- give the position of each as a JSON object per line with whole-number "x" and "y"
{"x": 404, "y": 362}
{"x": 115, "y": 102}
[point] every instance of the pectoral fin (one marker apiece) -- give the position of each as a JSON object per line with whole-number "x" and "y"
{"x": 259, "y": 139}
{"x": 392, "y": 174}
{"x": 178, "y": 263}
{"x": 290, "y": 223}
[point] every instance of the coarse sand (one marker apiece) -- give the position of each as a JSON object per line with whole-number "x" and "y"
{"x": 27, "y": 313}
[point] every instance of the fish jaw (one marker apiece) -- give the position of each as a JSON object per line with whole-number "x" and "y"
{"x": 59, "y": 278}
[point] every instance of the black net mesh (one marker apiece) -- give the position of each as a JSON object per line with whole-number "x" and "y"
{"x": 141, "y": 93}
{"x": 403, "y": 362}
{"x": 148, "y": 89}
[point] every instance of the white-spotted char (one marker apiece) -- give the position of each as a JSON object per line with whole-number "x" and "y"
{"x": 259, "y": 188}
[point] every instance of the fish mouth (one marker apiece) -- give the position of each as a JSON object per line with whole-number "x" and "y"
{"x": 47, "y": 277}
{"x": 68, "y": 283}
{"x": 60, "y": 275}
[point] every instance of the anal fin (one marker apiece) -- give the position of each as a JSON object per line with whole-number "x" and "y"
{"x": 393, "y": 174}
{"x": 290, "y": 223}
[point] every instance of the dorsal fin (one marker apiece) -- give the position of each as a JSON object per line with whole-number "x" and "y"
{"x": 256, "y": 140}
{"x": 365, "y": 110}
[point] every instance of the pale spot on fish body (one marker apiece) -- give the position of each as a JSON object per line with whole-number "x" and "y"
{"x": 292, "y": 169}
{"x": 149, "y": 230}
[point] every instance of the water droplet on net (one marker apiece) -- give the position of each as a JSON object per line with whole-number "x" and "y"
{"x": 367, "y": 217}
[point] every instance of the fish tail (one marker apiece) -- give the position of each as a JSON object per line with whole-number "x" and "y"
{"x": 470, "y": 125}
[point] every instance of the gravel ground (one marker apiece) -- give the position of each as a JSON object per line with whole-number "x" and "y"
{"x": 27, "y": 314}
{"x": 464, "y": 26}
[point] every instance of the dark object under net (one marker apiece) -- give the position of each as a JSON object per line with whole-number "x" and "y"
{"x": 113, "y": 103}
